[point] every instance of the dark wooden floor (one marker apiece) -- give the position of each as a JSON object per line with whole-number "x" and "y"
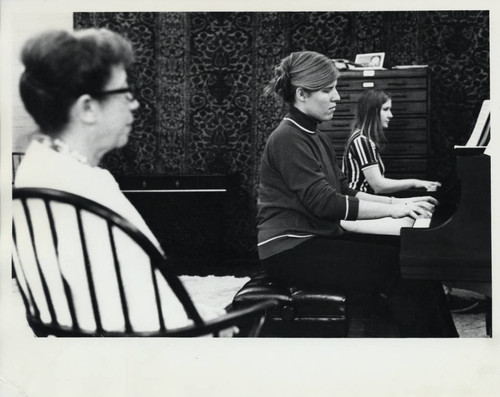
{"x": 369, "y": 316}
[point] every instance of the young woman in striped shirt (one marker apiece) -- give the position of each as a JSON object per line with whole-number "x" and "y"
{"x": 362, "y": 163}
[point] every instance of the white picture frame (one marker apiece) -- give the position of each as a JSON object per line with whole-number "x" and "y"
{"x": 373, "y": 60}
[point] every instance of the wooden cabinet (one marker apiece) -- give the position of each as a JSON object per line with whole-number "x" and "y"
{"x": 406, "y": 151}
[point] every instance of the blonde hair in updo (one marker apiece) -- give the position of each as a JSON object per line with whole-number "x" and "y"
{"x": 309, "y": 70}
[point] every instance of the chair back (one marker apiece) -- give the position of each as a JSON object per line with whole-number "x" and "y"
{"x": 16, "y": 160}
{"x": 84, "y": 270}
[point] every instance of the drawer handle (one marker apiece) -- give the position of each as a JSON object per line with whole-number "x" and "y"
{"x": 368, "y": 84}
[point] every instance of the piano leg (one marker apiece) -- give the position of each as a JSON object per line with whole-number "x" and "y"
{"x": 422, "y": 310}
{"x": 480, "y": 288}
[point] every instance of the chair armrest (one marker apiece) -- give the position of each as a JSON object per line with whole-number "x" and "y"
{"x": 249, "y": 319}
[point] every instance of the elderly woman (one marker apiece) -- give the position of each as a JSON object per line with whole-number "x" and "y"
{"x": 304, "y": 197}
{"x": 75, "y": 87}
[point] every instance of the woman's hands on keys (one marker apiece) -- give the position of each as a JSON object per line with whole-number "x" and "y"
{"x": 418, "y": 199}
{"x": 415, "y": 207}
{"x": 430, "y": 186}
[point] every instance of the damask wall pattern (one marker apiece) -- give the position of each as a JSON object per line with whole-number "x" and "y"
{"x": 140, "y": 155}
{"x": 172, "y": 88}
{"x": 456, "y": 46}
{"x": 200, "y": 76}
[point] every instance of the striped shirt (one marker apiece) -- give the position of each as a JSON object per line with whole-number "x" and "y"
{"x": 361, "y": 153}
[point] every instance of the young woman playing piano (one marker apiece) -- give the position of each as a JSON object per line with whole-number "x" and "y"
{"x": 303, "y": 196}
{"x": 362, "y": 163}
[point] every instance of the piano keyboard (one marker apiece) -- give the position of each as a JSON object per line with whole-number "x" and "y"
{"x": 422, "y": 223}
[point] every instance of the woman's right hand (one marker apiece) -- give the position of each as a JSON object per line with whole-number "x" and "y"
{"x": 430, "y": 186}
{"x": 416, "y": 199}
{"x": 420, "y": 209}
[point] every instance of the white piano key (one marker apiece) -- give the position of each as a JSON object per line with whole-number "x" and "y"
{"x": 422, "y": 223}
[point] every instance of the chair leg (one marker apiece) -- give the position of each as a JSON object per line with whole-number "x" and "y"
{"x": 488, "y": 317}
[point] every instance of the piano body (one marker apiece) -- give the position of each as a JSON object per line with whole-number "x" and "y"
{"x": 456, "y": 246}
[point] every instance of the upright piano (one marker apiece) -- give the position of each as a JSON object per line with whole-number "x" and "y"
{"x": 186, "y": 214}
{"x": 456, "y": 245}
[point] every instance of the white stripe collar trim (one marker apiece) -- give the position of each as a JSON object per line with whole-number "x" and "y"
{"x": 298, "y": 125}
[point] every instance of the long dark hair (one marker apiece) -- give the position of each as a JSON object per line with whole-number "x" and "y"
{"x": 309, "y": 70}
{"x": 367, "y": 117}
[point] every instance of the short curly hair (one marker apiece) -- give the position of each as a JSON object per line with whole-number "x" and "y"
{"x": 60, "y": 66}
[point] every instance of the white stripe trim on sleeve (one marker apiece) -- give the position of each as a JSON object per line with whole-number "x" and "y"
{"x": 346, "y": 207}
{"x": 282, "y": 236}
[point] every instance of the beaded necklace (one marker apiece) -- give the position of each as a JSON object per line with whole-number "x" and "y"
{"x": 59, "y": 146}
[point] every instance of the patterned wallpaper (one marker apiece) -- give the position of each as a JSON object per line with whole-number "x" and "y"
{"x": 199, "y": 79}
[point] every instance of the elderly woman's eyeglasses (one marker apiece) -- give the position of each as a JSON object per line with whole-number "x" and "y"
{"x": 125, "y": 90}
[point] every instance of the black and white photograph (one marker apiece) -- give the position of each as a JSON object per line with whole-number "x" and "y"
{"x": 211, "y": 201}
{"x": 374, "y": 60}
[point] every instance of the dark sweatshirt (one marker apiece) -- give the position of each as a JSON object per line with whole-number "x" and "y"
{"x": 302, "y": 192}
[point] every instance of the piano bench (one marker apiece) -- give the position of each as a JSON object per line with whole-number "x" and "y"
{"x": 301, "y": 312}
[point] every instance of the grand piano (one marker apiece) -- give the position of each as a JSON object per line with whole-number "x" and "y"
{"x": 455, "y": 246}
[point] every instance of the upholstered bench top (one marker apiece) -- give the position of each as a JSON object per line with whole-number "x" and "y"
{"x": 301, "y": 311}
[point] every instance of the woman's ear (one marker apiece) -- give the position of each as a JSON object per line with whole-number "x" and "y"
{"x": 85, "y": 109}
{"x": 300, "y": 94}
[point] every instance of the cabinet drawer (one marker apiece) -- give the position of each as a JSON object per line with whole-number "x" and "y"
{"x": 397, "y": 123}
{"x": 418, "y": 135}
{"x": 382, "y": 83}
{"x": 338, "y": 137}
{"x": 391, "y": 149}
{"x": 406, "y": 175}
{"x": 392, "y": 136}
{"x": 348, "y": 109}
{"x": 407, "y": 166}
{"x": 397, "y": 96}
{"x": 407, "y": 123}
{"x": 404, "y": 149}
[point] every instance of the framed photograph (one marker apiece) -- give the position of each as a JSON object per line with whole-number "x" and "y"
{"x": 374, "y": 60}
